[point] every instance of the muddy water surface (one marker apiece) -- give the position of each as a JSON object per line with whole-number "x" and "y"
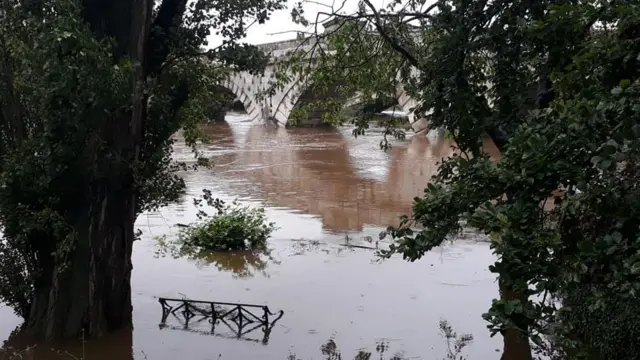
{"x": 321, "y": 186}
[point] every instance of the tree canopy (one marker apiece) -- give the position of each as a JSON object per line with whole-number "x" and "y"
{"x": 555, "y": 86}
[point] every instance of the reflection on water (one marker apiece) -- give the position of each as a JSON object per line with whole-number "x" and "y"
{"x": 241, "y": 264}
{"x": 348, "y": 182}
{"x": 238, "y": 321}
{"x": 115, "y": 346}
{"x": 320, "y": 186}
{"x": 256, "y": 333}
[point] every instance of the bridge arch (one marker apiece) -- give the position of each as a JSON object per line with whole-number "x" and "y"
{"x": 407, "y": 103}
{"x": 284, "y": 102}
{"x": 236, "y": 86}
{"x": 315, "y": 101}
{"x": 280, "y": 105}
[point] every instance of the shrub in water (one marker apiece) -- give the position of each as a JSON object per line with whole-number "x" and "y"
{"x": 234, "y": 227}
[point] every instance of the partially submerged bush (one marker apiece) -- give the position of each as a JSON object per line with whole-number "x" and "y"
{"x": 234, "y": 227}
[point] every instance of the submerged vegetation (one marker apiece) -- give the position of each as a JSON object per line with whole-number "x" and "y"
{"x": 455, "y": 345}
{"x": 234, "y": 227}
{"x": 233, "y": 238}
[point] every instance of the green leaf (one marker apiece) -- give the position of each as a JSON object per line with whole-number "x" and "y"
{"x": 625, "y": 83}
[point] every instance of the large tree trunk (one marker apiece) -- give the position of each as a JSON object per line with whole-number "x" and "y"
{"x": 93, "y": 295}
{"x": 89, "y": 293}
{"x": 516, "y": 344}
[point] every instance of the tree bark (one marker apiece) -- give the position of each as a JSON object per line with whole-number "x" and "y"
{"x": 88, "y": 294}
{"x": 93, "y": 295}
{"x": 516, "y": 344}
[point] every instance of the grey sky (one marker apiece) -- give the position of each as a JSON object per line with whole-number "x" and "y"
{"x": 280, "y": 27}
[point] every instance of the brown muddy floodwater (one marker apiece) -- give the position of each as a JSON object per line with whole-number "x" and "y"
{"x": 319, "y": 186}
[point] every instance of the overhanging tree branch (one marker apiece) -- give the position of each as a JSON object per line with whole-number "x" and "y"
{"x": 169, "y": 16}
{"x": 378, "y": 24}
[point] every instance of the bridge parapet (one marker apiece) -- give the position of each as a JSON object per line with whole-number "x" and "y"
{"x": 281, "y": 45}
{"x": 279, "y": 49}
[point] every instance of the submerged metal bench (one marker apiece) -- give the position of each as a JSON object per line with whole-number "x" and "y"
{"x": 241, "y": 315}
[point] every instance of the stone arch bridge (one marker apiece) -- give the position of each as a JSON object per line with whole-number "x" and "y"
{"x": 278, "y": 108}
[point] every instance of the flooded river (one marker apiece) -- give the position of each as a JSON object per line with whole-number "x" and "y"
{"x": 320, "y": 186}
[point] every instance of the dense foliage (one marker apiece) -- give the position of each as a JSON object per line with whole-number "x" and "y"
{"x": 90, "y": 95}
{"x": 43, "y": 166}
{"x": 232, "y": 228}
{"x": 338, "y": 66}
{"x": 555, "y": 86}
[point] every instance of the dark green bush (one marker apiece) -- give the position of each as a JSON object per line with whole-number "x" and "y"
{"x": 610, "y": 330}
{"x": 234, "y": 227}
